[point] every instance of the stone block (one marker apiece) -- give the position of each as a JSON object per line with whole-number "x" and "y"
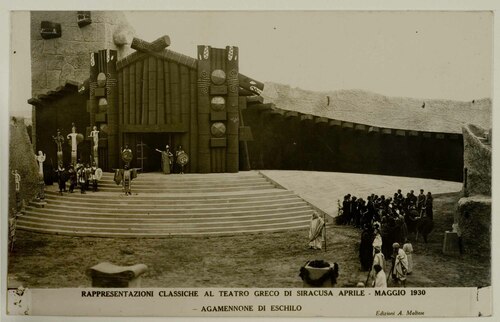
{"x": 67, "y": 72}
{"x": 78, "y": 61}
{"x": 39, "y": 78}
{"x": 474, "y": 220}
{"x": 53, "y": 79}
{"x": 49, "y": 46}
{"x": 72, "y": 33}
{"x": 55, "y": 62}
{"x": 89, "y": 33}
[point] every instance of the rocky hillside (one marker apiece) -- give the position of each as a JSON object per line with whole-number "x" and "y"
{"x": 378, "y": 110}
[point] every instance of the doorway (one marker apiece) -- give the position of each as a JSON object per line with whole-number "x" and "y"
{"x": 147, "y": 157}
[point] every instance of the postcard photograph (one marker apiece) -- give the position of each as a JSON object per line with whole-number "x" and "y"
{"x": 260, "y": 160}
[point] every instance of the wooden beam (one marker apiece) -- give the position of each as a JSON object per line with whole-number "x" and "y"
{"x": 360, "y": 127}
{"x": 291, "y": 114}
{"x": 320, "y": 120}
{"x": 412, "y": 133}
{"x": 277, "y": 111}
{"x": 35, "y": 101}
{"x": 347, "y": 125}
{"x": 439, "y": 135}
{"x": 427, "y": 135}
{"x": 335, "y": 123}
{"x": 400, "y": 132}
{"x": 373, "y": 129}
{"x": 250, "y": 84}
{"x": 254, "y": 100}
{"x": 144, "y": 46}
{"x": 306, "y": 117}
{"x": 245, "y": 92}
{"x": 263, "y": 107}
{"x": 386, "y": 131}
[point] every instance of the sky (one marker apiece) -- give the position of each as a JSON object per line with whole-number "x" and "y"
{"x": 441, "y": 55}
{"x": 414, "y": 54}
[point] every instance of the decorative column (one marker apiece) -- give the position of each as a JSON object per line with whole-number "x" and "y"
{"x": 233, "y": 119}
{"x": 204, "y": 109}
{"x": 112, "y": 98}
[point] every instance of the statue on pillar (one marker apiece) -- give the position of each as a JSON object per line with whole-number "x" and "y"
{"x": 59, "y": 139}
{"x": 17, "y": 182}
{"x": 40, "y": 158}
{"x": 75, "y": 138}
{"x": 94, "y": 134}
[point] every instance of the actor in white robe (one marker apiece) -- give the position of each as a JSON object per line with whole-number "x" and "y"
{"x": 316, "y": 230}
{"x": 400, "y": 268}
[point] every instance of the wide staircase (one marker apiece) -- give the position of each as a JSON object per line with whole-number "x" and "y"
{"x": 171, "y": 205}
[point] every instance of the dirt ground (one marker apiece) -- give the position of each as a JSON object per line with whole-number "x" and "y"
{"x": 254, "y": 260}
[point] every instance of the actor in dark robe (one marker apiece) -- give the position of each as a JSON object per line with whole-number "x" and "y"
{"x": 366, "y": 248}
{"x": 62, "y": 177}
{"x": 428, "y": 206}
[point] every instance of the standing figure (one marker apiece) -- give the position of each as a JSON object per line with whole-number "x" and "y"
{"x": 127, "y": 155}
{"x": 428, "y": 206}
{"x": 166, "y": 160}
{"x": 421, "y": 201}
{"x": 82, "y": 178}
{"x": 72, "y": 178}
{"x": 408, "y": 249}
{"x": 59, "y": 139}
{"x": 95, "y": 175}
{"x": 73, "y": 136}
{"x": 380, "y": 278}
{"x": 17, "y": 182}
{"x": 88, "y": 173}
{"x": 61, "y": 178}
{"x": 399, "y": 265}
{"x": 181, "y": 158}
{"x": 316, "y": 229}
{"x": 125, "y": 177}
{"x": 94, "y": 134}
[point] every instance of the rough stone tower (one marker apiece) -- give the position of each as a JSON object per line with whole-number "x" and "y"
{"x": 62, "y": 41}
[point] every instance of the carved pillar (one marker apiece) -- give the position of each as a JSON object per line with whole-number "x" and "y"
{"x": 204, "y": 109}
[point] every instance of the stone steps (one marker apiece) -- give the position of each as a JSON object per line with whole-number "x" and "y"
{"x": 212, "y": 204}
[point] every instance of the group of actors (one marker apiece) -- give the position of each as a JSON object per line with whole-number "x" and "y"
{"x": 81, "y": 175}
{"x": 386, "y": 224}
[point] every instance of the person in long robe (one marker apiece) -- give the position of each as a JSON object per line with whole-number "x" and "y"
{"x": 62, "y": 177}
{"x": 400, "y": 265}
{"x": 408, "y": 249}
{"x": 380, "y": 277}
{"x": 166, "y": 160}
{"x": 366, "y": 249}
{"x": 316, "y": 230}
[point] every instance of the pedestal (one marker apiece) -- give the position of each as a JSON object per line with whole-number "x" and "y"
{"x": 450, "y": 244}
{"x": 318, "y": 276}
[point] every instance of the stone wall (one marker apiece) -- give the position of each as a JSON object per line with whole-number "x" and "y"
{"x": 55, "y": 61}
{"x": 474, "y": 220}
{"x": 474, "y": 209}
{"x": 477, "y": 161}
{"x": 22, "y": 159}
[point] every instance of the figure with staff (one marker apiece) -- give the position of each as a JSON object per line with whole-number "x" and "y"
{"x": 316, "y": 231}
{"x": 166, "y": 160}
{"x": 17, "y": 182}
